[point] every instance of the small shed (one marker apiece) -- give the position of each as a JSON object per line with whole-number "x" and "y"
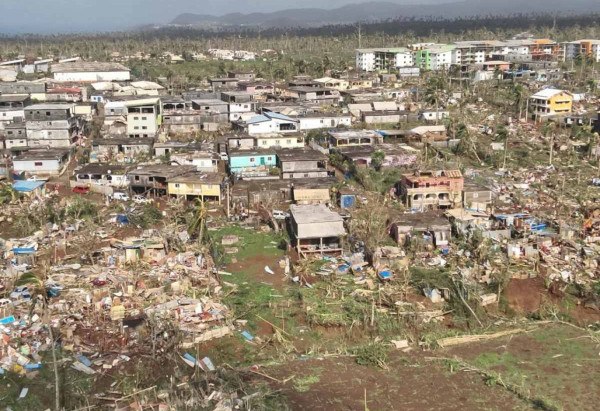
{"x": 316, "y": 230}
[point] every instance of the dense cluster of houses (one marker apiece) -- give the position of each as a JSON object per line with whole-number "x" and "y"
{"x": 270, "y": 143}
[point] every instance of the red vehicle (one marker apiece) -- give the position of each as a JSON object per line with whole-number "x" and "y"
{"x": 99, "y": 282}
{"x": 81, "y": 190}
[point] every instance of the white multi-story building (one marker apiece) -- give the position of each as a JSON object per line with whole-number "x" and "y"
{"x": 143, "y": 117}
{"x": 590, "y": 48}
{"x": 380, "y": 59}
{"x": 51, "y": 125}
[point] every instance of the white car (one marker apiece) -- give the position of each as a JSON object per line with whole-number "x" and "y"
{"x": 280, "y": 215}
{"x": 120, "y": 196}
{"x": 139, "y": 199}
{"x": 224, "y": 156}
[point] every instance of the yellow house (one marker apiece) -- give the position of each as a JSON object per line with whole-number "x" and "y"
{"x": 359, "y": 83}
{"x": 335, "y": 83}
{"x": 206, "y": 186}
{"x": 550, "y": 102}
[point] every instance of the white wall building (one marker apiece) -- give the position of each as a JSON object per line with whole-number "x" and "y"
{"x": 46, "y": 162}
{"x": 271, "y": 122}
{"x": 90, "y": 72}
{"x": 322, "y": 121}
{"x": 381, "y": 59}
{"x": 143, "y": 117}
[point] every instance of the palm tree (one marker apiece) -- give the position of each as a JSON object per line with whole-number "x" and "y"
{"x": 517, "y": 92}
{"x": 198, "y": 223}
{"x": 38, "y": 290}
{"x": 7, "y": 194}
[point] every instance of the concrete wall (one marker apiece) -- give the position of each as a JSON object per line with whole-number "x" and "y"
{"x": 315, "y": 123}
{"x": 93, "y": 76}
{"x": 42, "y": 167}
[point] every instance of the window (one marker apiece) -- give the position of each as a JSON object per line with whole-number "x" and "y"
{"x": 136, "y": 118}
{"x": 176, "y": 185}
{"x": 136, "y": 128}
{"x": 269, "y": 158}
{"x": 144, "y": 127}
{"x": 264, "y": 142}
{"x": 288, "y": 141}
{"x": 137, "y": 178}
{"x": 277, "y": 142}
{"x": 252, "y": 159}
{"x": 47, "y": 113}
{"x": 38, "y": 164}
{"x": 144, "y": 118}
{"x": 49, "y": 133}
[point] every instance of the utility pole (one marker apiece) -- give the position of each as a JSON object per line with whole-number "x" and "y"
{"x": 551, "y": 147}
{"x": 227, "y": 198}
{"x": 505, "y": 152}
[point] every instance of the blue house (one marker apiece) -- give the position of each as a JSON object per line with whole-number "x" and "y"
{"x": 251, "y": 164}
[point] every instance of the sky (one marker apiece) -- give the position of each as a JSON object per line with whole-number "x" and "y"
{"x": 61, "y": 16}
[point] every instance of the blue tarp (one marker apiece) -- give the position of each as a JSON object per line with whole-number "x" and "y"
{"x": 7, "y": 320}
{"x": 122, "y": 219}
{"x": 24, "y": 250}
{"x": 84, "y": 360}
{"x": 385, "y": 275}
{"x": 189, "y": 357}
{"x": 347, "y": 200}
{"x": 26, "y": 186}
{"x": 247, "y": 335}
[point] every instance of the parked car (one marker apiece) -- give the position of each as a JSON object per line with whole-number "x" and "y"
{"x": 99, "y": 282}
{"x": 120, "y": 196}
{"x": 224, "y": 156}
{"x": 139, "y": 199}
{"x": 280, "y": 215}
{"x": 81, "y": 190}
{"x": 21, "y": 293}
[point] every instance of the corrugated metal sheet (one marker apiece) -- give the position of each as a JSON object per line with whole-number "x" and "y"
{"x": 321, "y": 230}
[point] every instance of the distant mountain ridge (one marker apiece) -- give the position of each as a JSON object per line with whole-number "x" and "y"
{"x": 374, "y": 11}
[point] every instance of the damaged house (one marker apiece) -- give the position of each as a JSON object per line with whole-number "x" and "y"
{"x": 316, "y": 230}
{"x": 431, "y": 189}
{"x": 302, "y": 163}
{"x": 432, "y": 227}
{"x": 154, "y": 178}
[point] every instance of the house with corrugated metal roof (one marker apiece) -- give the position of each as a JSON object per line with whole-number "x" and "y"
{"x": 316, "y": 230}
